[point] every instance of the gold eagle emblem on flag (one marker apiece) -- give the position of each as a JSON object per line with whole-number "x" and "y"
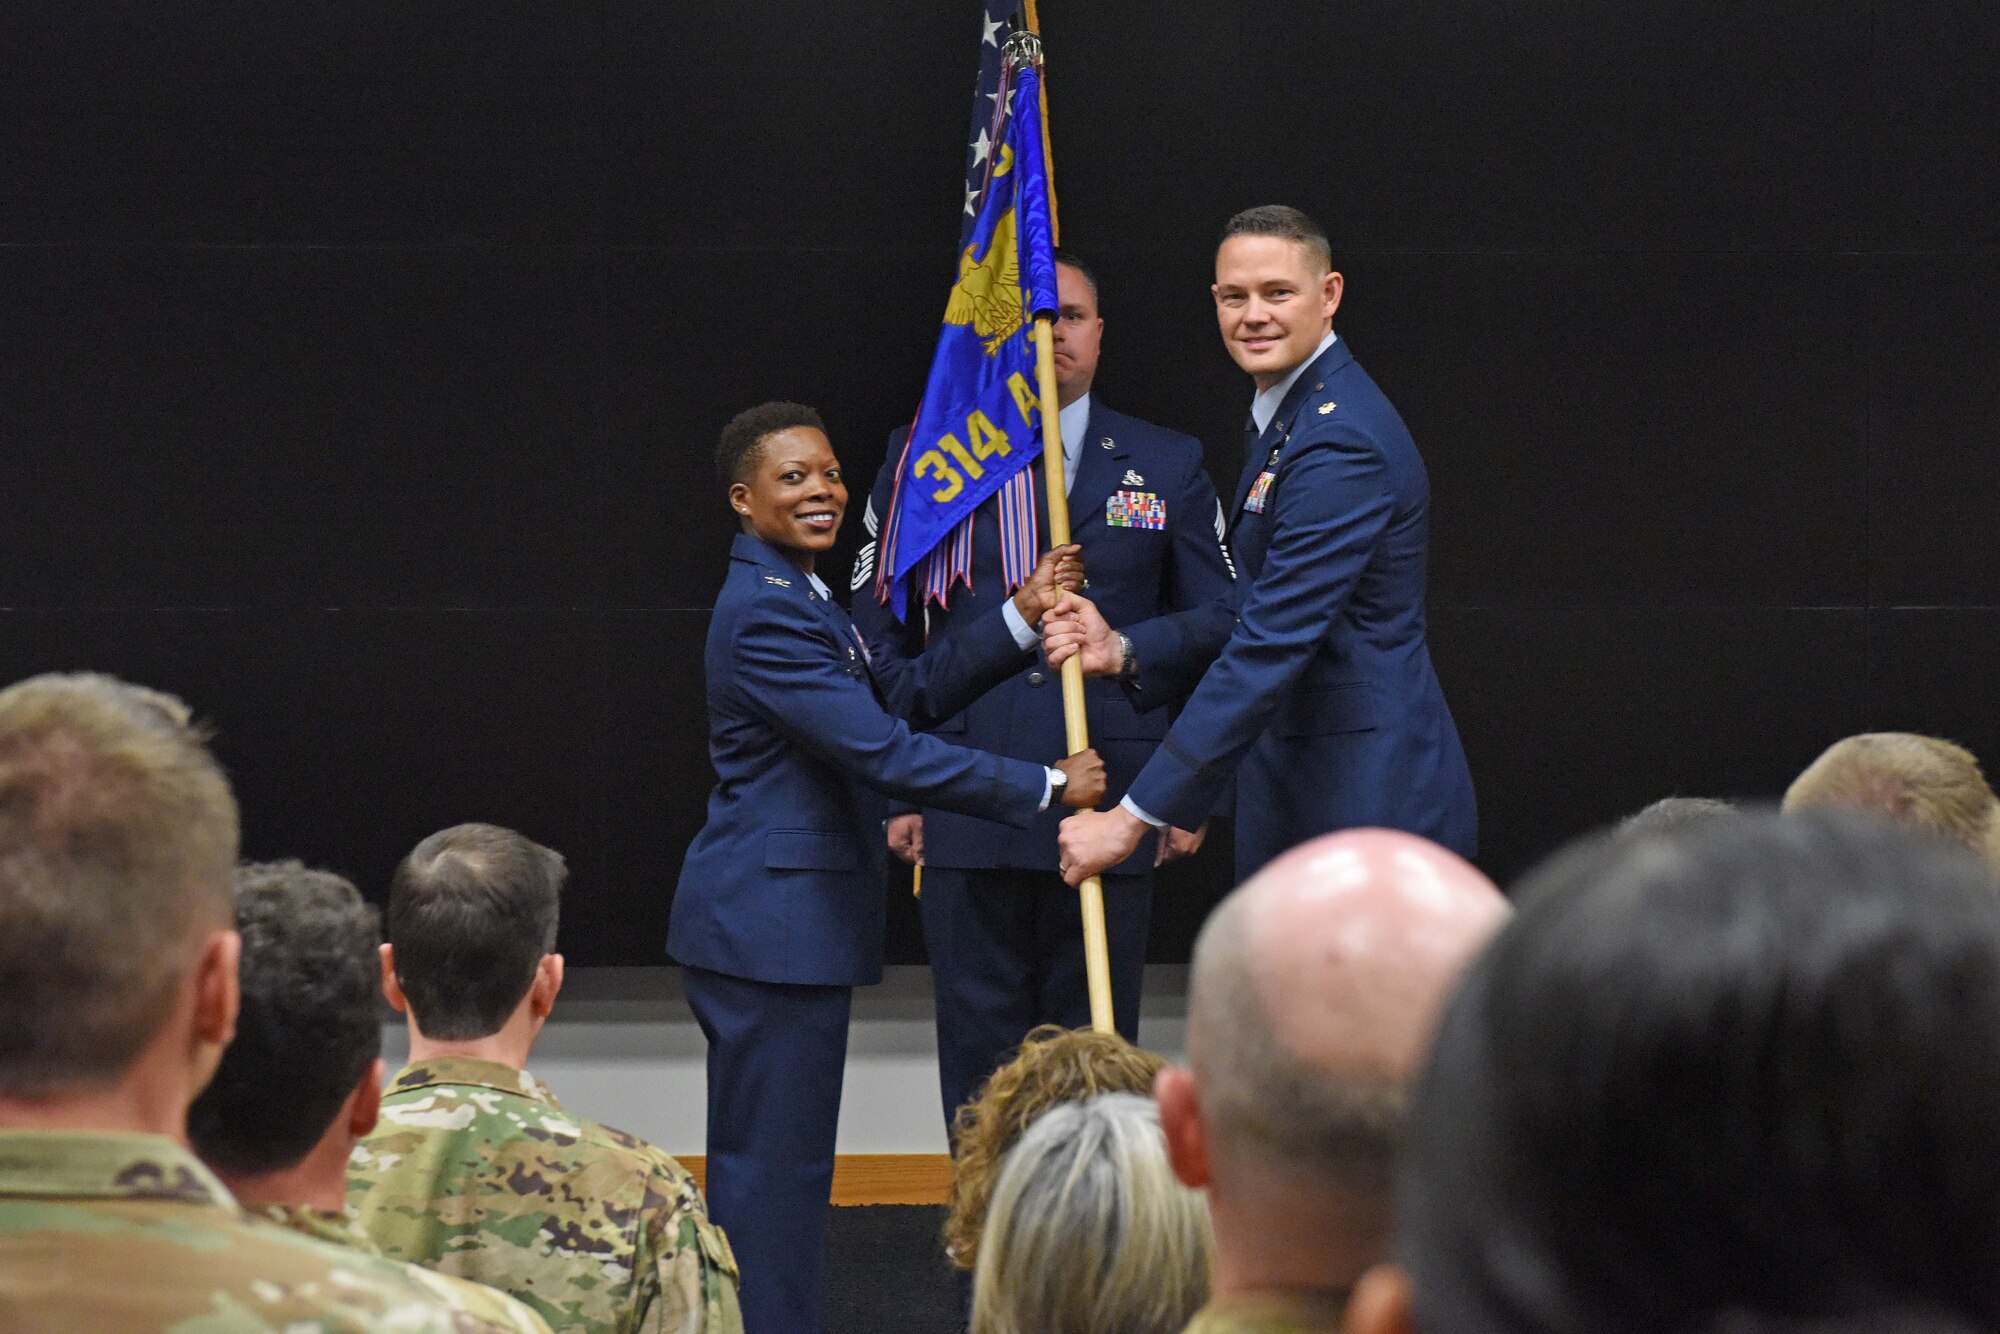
{"x": 987, "y": 295}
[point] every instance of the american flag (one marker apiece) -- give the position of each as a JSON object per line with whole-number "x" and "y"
{"x": 997, "y": 19}
{"x": 949, "y": 561}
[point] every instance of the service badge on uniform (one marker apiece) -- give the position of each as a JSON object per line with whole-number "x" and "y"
{"x": 1135, "y": 509}
{"x": 1260, "y": 490}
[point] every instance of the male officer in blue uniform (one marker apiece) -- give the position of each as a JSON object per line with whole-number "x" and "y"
{"x": 1005, "y": 935}
{"x": 779, "y": 911}
{"x": 1322, "y": 703}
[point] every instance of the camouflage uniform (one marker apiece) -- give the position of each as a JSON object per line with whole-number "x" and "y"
{"x": 476, "y": 1170}
{"x": 493, "y": 1308}
{"x": 1290, "y": 1311}
{"x": 130, "y": 1234}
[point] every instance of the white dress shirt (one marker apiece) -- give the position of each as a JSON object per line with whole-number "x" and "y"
{"x": 1074, "y": 422}
{"x": 1265, "y": 406}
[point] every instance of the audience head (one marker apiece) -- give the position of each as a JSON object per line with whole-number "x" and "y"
{"x": 1054, "y": 1065}
{"x": 1915, "y": 780}
{"x": 1671, "y": 815}
{"x": 1874, "y": 1320}
{"x": 309, "y": 1039}
{"x": 472, "y": 932}
{"x": 1313, "y": 991}
{"x": 118, "y": 836}
{"x": 1742, "y": 1074}
{"x": 1089, "y": 1231}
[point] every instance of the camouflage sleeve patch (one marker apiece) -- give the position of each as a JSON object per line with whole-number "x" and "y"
{"x": 695, "y": 1274}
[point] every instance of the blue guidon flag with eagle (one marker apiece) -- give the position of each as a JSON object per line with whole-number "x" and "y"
{"x": 980, "y": 423}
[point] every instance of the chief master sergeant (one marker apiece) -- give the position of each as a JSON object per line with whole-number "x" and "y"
{"x": 1005, "y": 935}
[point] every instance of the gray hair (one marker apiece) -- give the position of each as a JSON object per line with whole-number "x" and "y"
{"x": 1673, "y": 815}
{"x": 118, "y": 838}
{"x": 1089, "y": 1232}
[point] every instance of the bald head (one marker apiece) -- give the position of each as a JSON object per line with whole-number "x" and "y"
{"x": 1314, "y": 991}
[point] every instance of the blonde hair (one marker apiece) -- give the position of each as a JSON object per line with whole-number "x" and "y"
{"x": 1089, "y": 1231}
{"x": 1054, "y": 1065}
{"x": 1916, "y": 780}
{"x": 118, "y": 838}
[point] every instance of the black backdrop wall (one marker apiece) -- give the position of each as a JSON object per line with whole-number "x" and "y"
{"x": 360, "y": 363}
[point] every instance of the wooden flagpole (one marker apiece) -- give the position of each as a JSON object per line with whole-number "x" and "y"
{"x": 1076, "y": 726}
{"x": 1076, "y": 723}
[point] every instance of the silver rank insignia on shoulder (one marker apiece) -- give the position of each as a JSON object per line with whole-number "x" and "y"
{"x": 1325, "y": 408}
{"x": 1105, "y": 443}
{"x": 778, "y": 580}
{"x": 1132, "y": 478}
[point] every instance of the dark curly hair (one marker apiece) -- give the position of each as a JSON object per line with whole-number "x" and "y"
{"x": 310, "y": 1024}
{"x": 742, "y": 440}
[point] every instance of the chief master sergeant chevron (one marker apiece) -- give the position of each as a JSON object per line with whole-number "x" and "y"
{"x": 1322, "y": 702}
{"x": 1005, "y": 935}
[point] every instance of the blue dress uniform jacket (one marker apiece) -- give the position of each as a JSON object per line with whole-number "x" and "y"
{"x": 780, "y": 908}
{"x": 1169, "y": 587}
{"x": 1005, "y": 935}
{"x": 1324, "y": 692}
{"x": 785, "y": 881}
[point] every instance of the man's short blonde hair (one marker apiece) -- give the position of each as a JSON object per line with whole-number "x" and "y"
{"x": 1915, "y": 780}
{"x": 1090, "y": 1230}
{"x": 118, "y": 839}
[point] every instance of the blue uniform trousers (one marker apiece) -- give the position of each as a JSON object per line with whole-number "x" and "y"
{"x": 776, "y": 1055}
{"x": 1007, "y": 952}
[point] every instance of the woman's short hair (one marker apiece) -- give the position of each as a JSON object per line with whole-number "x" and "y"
{"x": 1089, "y": 1231}
{"x": 742, "y": 442}
{"x": 1054, "y": 1065}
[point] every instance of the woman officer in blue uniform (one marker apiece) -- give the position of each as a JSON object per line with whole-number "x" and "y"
{"x": 780, "y": 910}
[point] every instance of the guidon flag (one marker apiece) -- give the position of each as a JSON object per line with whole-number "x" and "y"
{"x": 979, "y": 425}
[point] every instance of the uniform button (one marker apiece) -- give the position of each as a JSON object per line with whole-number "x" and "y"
{"x": 1036, "y": 678}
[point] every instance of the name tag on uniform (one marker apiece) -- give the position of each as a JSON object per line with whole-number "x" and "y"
{"x": 1135, "y": 509}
